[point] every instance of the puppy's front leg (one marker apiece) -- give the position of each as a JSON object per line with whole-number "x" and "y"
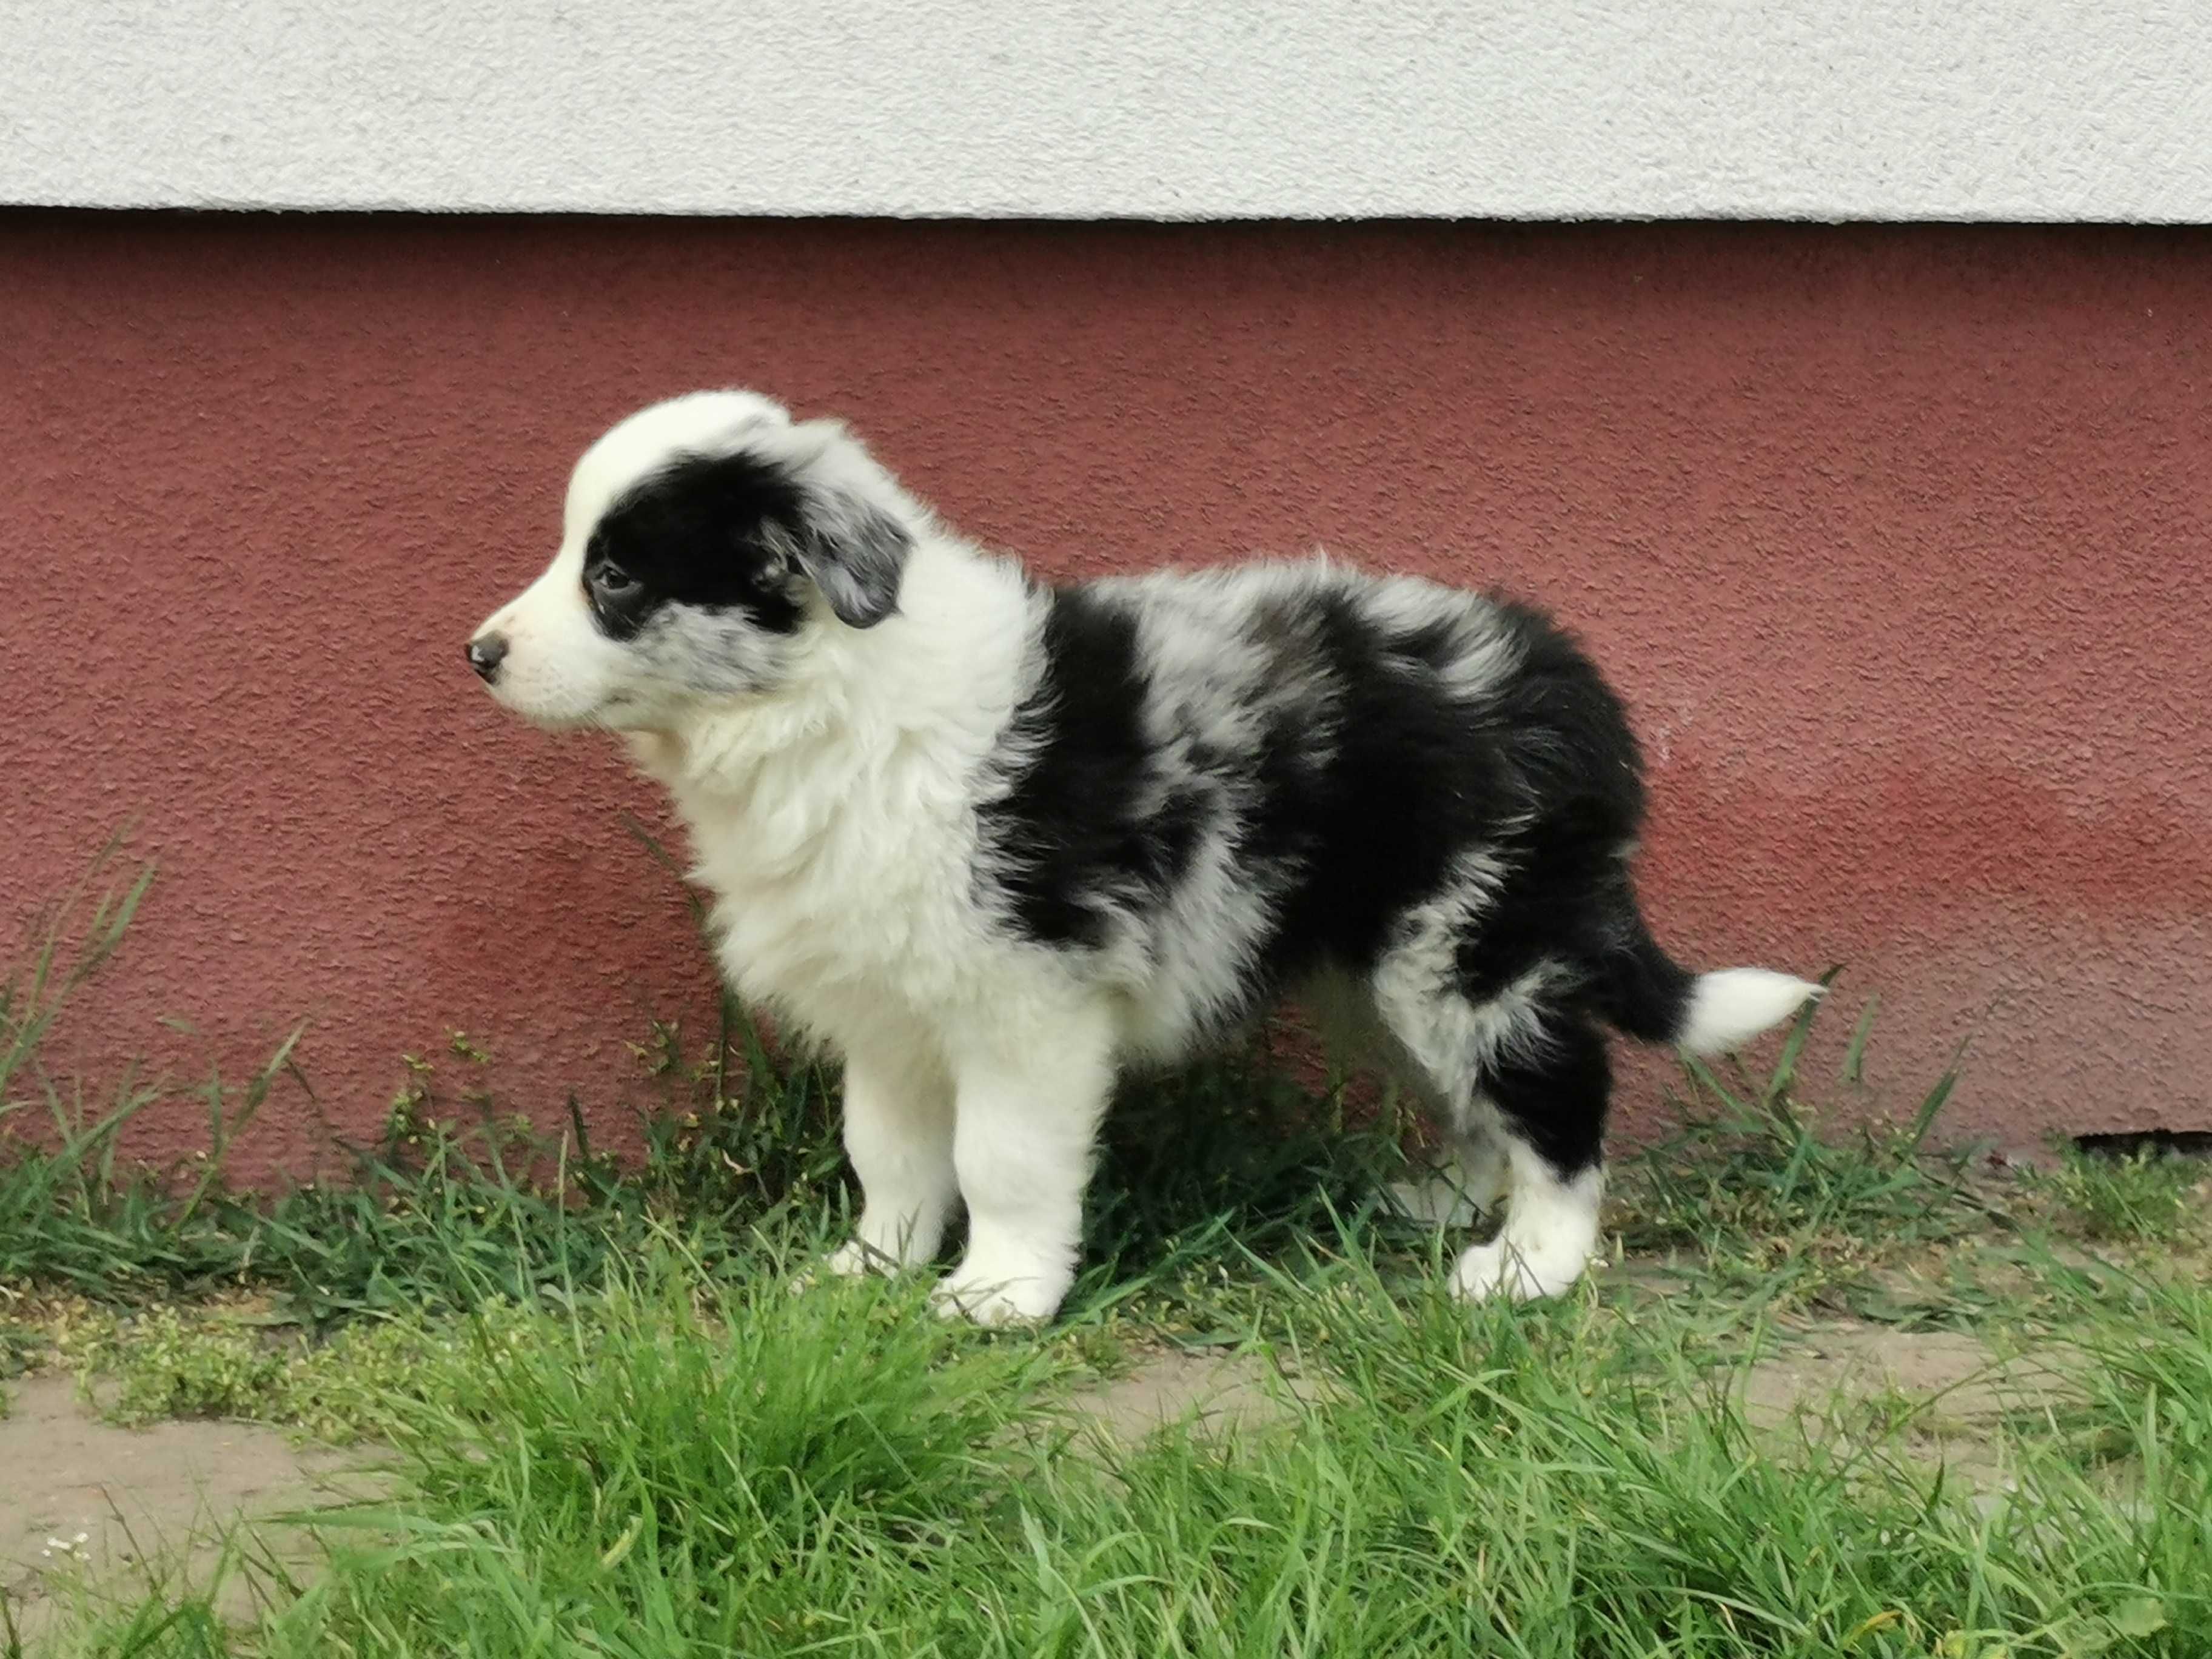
{"x": 1023, "y": 1129}
{"x": 898, "y": 1132}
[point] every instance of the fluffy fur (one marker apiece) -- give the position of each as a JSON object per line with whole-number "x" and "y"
{"x": 991, "y": 841}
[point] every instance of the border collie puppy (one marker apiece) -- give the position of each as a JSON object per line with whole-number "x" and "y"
{"x": 991, "y": 841}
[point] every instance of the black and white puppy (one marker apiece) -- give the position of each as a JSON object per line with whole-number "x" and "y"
{"x": 991, "y": 841}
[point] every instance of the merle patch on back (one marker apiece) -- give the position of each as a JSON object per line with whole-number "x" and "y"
{"x": 1376, "y": 760}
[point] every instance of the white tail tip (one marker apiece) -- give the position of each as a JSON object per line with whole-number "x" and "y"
{"x": 1730, "y": 1008}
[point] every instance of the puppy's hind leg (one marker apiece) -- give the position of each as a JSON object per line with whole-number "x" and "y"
{"x": 1524, "y": 1081}
{"x": 1472, "y": 1180}
{"x": 1550, "y": 1100}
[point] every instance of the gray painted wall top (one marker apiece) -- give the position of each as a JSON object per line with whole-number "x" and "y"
{"x": 1824, "y": 109}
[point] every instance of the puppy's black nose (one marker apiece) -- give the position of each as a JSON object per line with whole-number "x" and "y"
{"x": 486, "y": 654}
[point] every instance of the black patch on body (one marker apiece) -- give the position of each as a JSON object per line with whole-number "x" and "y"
{"x": 703, "y": 530}
{"x": 1076, "y": 849}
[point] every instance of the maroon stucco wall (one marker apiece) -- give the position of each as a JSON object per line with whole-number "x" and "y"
{"x": 1894, "y": 539}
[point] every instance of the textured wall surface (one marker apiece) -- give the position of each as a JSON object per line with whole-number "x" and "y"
{"x": 1880, "y": 109}
{"x": 1893, "y": 539}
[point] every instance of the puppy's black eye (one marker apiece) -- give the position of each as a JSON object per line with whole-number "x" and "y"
{"x": 611, "y": 581}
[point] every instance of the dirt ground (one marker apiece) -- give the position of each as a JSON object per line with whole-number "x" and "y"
{"x": 82, "y": 1501}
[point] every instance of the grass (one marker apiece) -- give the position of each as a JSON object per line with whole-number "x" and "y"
{"x": 838, "y": 1473}
{"x": 2146, "y": 1196}
{"x": 1751, "y": 1166}
{"x": 613, "y": 1428}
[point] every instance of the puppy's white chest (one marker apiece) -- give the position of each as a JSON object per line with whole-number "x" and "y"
{"x": 840, "y": 907}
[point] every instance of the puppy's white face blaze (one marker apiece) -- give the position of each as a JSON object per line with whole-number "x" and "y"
{"x": 702, "y": 539}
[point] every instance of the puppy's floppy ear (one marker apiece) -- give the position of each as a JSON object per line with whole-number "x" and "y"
{"x": 854, "y": 554}
{"x": 851, "y": 543}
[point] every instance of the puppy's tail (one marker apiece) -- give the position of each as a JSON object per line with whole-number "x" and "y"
{"x": 1650, "y": 996}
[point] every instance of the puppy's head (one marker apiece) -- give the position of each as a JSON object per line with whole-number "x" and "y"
{"x": 705, "y": 542}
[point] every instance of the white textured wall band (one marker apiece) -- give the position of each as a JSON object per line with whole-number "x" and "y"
{"x": 1825, "y": 109}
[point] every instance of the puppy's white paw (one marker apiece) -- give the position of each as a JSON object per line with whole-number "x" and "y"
{"x": 851, "y": 1260}
{"x": 990, "y": 1297}
{"x": 1441, "y": 1199}
{"x": 1496, "y": 1270}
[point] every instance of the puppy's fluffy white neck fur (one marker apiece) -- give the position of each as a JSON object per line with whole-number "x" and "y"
{"x": 833, "y": 818}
